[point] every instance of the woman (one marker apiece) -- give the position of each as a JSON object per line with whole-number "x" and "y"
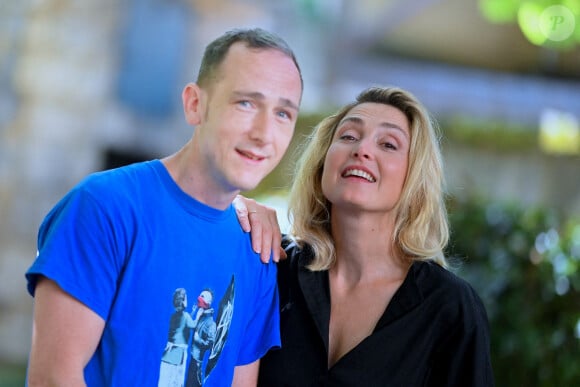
{"x": 365, "y": 297}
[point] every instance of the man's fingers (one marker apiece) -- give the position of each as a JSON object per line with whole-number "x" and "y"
{"x": 283, "y": 254}
{"x": 262, "y": 223}
{"x": 257, "y": 231}
{"x": 266, "y": 243}
{"x": 276, "y": 238}
{"x": 242, "y": 212}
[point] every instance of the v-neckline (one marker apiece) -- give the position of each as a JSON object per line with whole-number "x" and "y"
{"x": 315, "y": 286}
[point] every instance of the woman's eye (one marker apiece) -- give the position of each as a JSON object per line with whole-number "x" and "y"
{"x": 348, "y": 137}
{"x": 389, "y": 145}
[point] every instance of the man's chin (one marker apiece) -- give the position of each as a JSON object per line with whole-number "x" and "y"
{"x": 249, "y": 181}
{"x": 248, "y": 186}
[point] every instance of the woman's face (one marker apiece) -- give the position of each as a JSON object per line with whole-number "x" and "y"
{"x": 366, "y": 164}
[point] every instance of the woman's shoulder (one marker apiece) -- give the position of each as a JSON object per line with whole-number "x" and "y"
{"x": 447, "y": 291}
{"x": 298, "y": 254}
{"x": 432, "y": 275}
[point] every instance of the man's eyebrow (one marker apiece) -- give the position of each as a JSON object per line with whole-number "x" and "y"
{"x": 289, "y": 104}
{"x": 260, "y": 97}
{"x": 249, "y": 94}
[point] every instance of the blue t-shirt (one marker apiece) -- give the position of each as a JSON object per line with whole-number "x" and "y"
{"x": 177, "y": 282}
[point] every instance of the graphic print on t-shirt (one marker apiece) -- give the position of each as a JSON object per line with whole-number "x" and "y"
{"x": 196, "y": 334}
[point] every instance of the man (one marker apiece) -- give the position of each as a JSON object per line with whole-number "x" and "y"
{"x": 112, "y": 252}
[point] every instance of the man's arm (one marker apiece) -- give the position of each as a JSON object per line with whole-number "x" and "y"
{"x": 65, "y": 334}
{"x": 261, "y": 221}
{"x": 246, "y": 375}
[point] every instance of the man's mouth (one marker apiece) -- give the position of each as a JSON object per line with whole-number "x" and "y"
{"x": 250, "y": 155}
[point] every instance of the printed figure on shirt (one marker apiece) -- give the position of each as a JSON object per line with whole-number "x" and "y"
{"x": 209, "y": 337}
{"x": 174, "y": 358}
{"x": 203, "y": 338}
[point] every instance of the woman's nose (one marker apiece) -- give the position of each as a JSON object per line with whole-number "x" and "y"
{"x": 361, "y": 149}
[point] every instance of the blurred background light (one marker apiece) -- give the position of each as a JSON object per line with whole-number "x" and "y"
{"x": 559, "y": 132}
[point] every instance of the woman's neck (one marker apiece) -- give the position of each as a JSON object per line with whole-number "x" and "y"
{"x": 364, "y": 247}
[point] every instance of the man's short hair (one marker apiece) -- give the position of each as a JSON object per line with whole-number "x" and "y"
{"x": 256, "y": 38}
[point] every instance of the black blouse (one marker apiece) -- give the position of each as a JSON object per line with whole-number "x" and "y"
{"x": 434, "y": 332}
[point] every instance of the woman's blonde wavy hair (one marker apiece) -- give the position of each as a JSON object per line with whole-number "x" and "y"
{"x": 421, "y": 228}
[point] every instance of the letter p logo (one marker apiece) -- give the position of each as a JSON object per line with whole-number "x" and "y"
{"x": 556, "y": 20}
{"x": 557, "y": 23}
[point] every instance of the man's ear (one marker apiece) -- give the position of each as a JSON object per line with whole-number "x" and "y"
{"x": 192, "y": 97}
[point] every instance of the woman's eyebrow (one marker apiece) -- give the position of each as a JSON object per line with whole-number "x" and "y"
{"x": 384, "y": 124}
{"x": 390, "y": 125}
{"x": 354, "y": 120}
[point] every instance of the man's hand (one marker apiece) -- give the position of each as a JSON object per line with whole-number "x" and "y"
{"x": 262, "y": 224}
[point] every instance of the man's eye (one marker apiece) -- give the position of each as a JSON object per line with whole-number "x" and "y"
{"x": 284, "y": 114}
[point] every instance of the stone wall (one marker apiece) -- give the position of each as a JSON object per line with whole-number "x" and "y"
{"x": 61, "y": 118}
{"x": 47, "y": 144}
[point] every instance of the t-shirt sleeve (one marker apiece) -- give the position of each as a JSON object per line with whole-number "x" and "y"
{"x": 76, "y": 249}
{"x": 263, "y": 330}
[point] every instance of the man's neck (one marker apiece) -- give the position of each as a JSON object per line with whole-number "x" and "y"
{"x": 187, "y": 173}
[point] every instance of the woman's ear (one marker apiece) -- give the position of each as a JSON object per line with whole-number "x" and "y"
{"x": 192, "y": 97}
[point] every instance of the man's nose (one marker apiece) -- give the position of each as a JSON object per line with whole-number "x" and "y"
{"x": 262, "y": 129}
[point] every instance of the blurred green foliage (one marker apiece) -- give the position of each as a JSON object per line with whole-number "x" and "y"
{"x": 524, "y": 263}
{"x": 548, "y": 23}
{"x": 490, "y": 135}
{"x": 12, "y": 375}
